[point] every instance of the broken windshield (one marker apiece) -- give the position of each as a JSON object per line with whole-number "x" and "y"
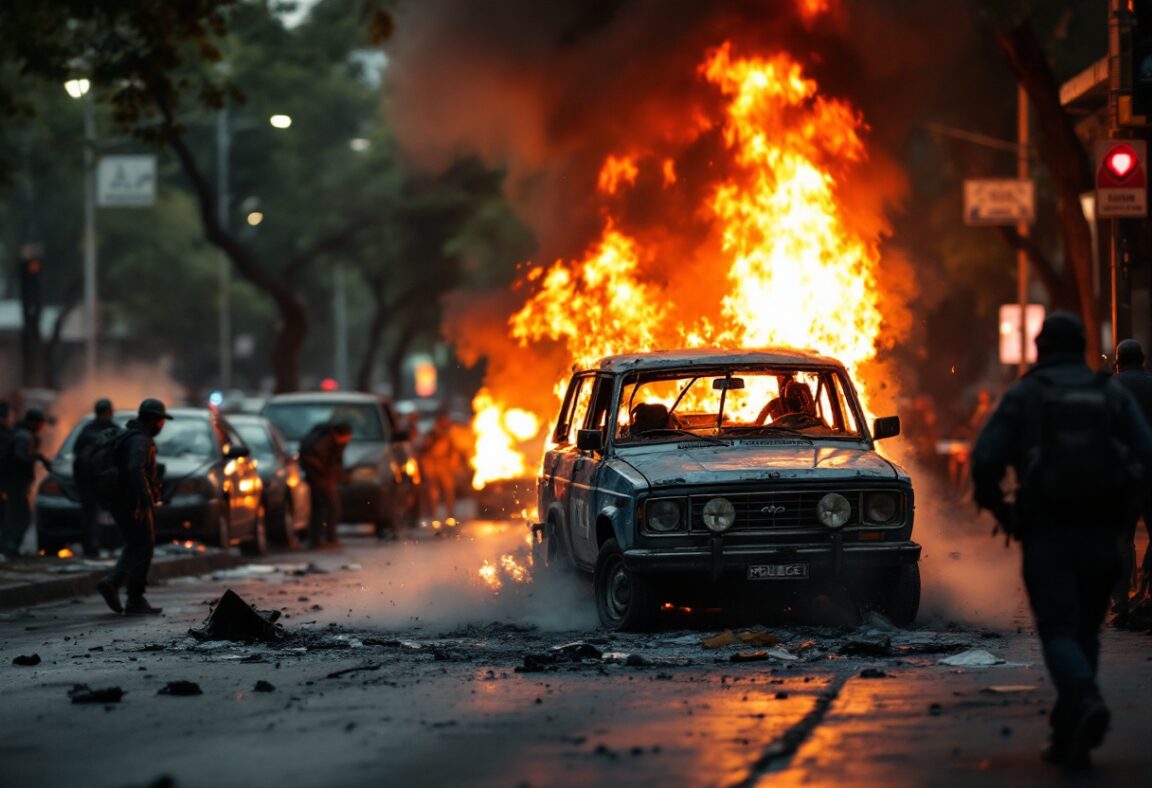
{"x": 736, "y": 403}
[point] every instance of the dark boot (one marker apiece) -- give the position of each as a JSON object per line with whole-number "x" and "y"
{"x": 138, "y": 606}
{"x": 111, "y": 595}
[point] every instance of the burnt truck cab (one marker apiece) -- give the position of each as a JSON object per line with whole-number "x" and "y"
{"x": 724, "y": 477}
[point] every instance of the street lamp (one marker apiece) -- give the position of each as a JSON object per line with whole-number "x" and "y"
{"x": 224, "y": 132}
{"x": 81, "y": 89}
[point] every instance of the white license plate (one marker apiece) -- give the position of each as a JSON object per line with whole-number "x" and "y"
{"x": 798, "y": 571}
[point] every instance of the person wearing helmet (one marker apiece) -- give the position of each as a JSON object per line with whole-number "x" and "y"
{"x": 1071, "y": 435}
{"x": 19, "y": 473}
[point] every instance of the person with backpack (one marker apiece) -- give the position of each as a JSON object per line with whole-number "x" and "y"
{"x": 1074, "y": 438}
{"x": 19, "y": 473}
{"x": 89, "y": 505}
{"x": 133, "y": 506}
{"x": 322, "y": 457}
{"x": 1131, "y": 374}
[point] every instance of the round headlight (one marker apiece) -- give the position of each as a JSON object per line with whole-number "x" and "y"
{"x": 719, "y": 514}
{"x": 880, "y": 507}
{"x": 663, "y": 516}
{"x": 833, "y": 510}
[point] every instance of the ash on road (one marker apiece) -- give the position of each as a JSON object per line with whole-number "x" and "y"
{"x": 404, "y": 667}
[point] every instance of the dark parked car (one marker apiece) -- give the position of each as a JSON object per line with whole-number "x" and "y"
{"x": 381, "y": 466}
{"x": 287, "y": 502}
{"x": 211, "y": 488}
{"x": 724, "y": 478}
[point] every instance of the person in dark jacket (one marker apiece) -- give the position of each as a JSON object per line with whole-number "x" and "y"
{"x": 322, "y": 456}
{"x": 1131, "y": 374}
{"x": 135, "y": 510}
{"x": 5, "y": 448}
{"x": 1070, "y": 553}
{"x": 89, "y": 508}
{"x": 19, "y": 473}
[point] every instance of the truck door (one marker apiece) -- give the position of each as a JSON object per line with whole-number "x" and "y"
{"x": 559, "y": 465}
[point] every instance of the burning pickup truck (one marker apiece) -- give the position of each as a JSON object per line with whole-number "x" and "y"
{"x": 724, "y": 478}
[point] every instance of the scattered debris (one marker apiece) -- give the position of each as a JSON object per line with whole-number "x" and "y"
{"x": 82, "y": 693}
{"x": 753, "y": 638}
{"x": 234, "y": 619}
{"x": 1008, "y": 689}
{"x": 725, "y": 638}
{"x": 27, "y": 660}
{"x": 309, "y": 569}
{"x": 864, "y": 646}
{"x": 973, "y": 658}
{"x": 749, "y": 656}
{"x": 369, "y": 667}
{"x": 577, "y": 650}
{"x": 263, "y": 686}
{"x": 873, "y": 673}
{"x": 181, "y": 689}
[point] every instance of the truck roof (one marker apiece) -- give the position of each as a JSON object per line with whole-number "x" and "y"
{"x": 710, "y": 357}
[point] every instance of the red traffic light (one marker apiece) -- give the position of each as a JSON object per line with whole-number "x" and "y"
{"x": 1121, "y": 161}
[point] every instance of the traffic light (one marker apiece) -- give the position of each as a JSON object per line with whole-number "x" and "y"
{"x": 1121, "y": 161}
{"x": 29, "y": 270}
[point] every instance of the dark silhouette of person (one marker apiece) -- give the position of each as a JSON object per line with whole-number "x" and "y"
{"x": 89, "y": 508}
{"x": 18, "y": 475}
{"x": 1070, "y": 555}
{"x": 1131, "y": 374}
{"x": 322, "y": 457}
{"x": 134, "y": 510}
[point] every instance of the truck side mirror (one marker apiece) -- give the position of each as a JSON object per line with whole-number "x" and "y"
{"x": 886, "y": 427}
{"x": 589, "y": 440}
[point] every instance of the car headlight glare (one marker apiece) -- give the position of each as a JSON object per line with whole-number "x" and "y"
{"x": 363, "y": 473}
{"x": 719, "y": 515}
{"x": 663, "y": 516}
{"x": 833, "y": 510}
{"x": 880, "y": 508}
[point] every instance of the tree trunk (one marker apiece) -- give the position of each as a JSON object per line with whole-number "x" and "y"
{"x": 1066, "y": 159}
{"x": 51, "y": 373}
{"x": 375, "y": 334}
{"x": 399, "y": 350}
{"x": 292, "y": 327}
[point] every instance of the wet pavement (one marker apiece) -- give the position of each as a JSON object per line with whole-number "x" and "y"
{"x": 403, "y": 665}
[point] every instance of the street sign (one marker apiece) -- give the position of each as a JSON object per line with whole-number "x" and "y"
{"x": 996, "y": 201}
{"x": 1121, "y": 178}
{"x": 1010, "y": 332}
{"x": 126, "y": 181}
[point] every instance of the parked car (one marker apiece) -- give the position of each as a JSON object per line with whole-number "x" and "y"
{"x": 380, "y": 462}
{"x": 724, "y": 478}
{"x": 287, "y": 501}
{"x": 211, "y": 488}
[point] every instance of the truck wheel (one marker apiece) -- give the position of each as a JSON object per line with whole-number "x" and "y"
{"x": 223, "y": 536}
{"x": 900, "y": 594}
{"x": 624, "y": 600}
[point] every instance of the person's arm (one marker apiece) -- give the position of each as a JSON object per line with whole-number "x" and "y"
{"x": 136, "y": 471}
{"x": 994, "y": 451}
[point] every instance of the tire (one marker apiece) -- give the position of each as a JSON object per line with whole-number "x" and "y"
{"x": 549, "y": 555}
{"x": 223, "y": 536}
{"x": 900, "y": 595}
{"x": 258, "y": 544}
{"x": 283, "y": 526}
{"x": 624, "y": 601}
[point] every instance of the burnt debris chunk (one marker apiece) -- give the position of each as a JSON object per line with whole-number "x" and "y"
{"x": 27, "y": 660}
{"x": 180, "y": 689}
{"x": 82, "y": 693}
{"x": 236, "y": 620}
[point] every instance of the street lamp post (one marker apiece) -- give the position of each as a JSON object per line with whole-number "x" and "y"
{"x": 81, "y": 89}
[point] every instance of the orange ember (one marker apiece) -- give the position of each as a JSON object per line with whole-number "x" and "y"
{"x": 795, "y": 272}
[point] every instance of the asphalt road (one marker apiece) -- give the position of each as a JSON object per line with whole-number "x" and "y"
{"x": 402, "y": 669}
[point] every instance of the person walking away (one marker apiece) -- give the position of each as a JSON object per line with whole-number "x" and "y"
{"x": 1131, "y": 374}
{"x": 5, "y": 450}
{"x": 1071, "y": 436}
{"x": 322, "y": 456}
{"x": 440, "y": 463}
{"x": 134, "y": 510}
{"x": 89, "y": 506}
{"x": 19, "y": 474}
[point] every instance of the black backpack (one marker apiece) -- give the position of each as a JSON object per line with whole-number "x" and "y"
{"x": 97, "y": 466}
{"x": 1078, "y": 466}
{"x": 7, "y": 445}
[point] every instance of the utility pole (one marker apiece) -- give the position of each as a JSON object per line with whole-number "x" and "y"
{"x": 1115, "y": 8}
{"x": 1022, "y": 227}
{"x": 340, "y": 324}
{"x": 224, "y": 317}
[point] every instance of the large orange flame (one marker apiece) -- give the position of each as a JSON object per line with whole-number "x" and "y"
{"x": 797, "y": 274}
